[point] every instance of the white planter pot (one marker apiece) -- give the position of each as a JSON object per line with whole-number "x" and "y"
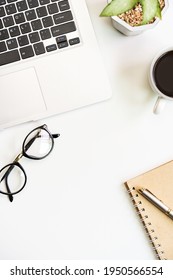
{"x": 129, "y": 30}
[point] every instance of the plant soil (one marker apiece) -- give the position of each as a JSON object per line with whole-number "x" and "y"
{"x": 134, "y": 16}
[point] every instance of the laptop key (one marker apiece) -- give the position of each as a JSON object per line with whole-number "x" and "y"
{"x": 10, "y": 9}
{"x": 2, "y": 2}
{"x": 34, "y": 37}
{"x": 3, "y": 47}
{"x": 41, "y": 11}
{"x": 43, "y": 2}
{"x": 4, "y": 34}
{"x": 45, "y": 34}
{"x": 2, "y": 12}
{"x": 23, "y": 40}
{"x": 36, "y": 24}
{"x": 19, "y": 18}
{"x": 12, "y": 43}
{"x": 30, "y": 14}
{"x": 47, "y": 21}
{"x": 21, "y": 6}
{"x": 9, "y": 57}
{"x": 64, "y": 5}
{"x": 8, "y": 21}
{"x": 62, "y": 17}
{"x": 63, "y": 29}
{"x": 14, "y": 31}
{"x": 26, "y": 52}
{"x": 74, "y": 41}
{"x": 25, "y": 28}
{"x": 33, "y": 3}
{"x": 52, "y": 8}
{"x": 51, "y": 48}
{"x": 63, "y": 45}
{"x": 61, "y": 39}
{"x": 39, "y": 48}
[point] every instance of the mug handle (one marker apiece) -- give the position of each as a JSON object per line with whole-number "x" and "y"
{"x": 159, "y": 105}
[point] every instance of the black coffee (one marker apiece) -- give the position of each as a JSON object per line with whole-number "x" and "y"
{"x": 163, "y": 73}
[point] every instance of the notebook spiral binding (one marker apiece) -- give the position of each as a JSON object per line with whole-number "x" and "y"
{"x": 153, "y": 239}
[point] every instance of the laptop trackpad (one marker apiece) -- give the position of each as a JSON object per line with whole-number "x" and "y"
{"x": 21, "y": 98}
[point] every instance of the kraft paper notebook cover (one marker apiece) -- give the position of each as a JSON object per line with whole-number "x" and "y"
{"x": 159, "y": 227}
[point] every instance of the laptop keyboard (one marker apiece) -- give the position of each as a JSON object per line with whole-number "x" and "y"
{"x": 31, "y": 28}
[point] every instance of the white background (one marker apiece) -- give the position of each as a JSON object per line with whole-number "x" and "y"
{"x": 75, "y": 205}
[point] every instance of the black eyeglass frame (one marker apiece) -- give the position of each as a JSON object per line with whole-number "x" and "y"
{"x": 11, "y": 166}
{"x": 23, "y": 153}
{"x": 52, "y": 136}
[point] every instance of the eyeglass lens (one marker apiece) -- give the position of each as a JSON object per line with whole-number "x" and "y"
{"x": 14, "y": 179}
{"x": 38, "y": 143}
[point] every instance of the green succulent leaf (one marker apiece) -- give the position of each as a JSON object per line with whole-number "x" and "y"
{"x": 117, "y": 7}
{"x": 151, "y": 9}
{"x": 159, "y": 12}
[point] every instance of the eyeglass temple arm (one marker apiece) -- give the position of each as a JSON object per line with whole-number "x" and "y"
{"x": 55, "y": 135}
{"x": 28, "y": 145}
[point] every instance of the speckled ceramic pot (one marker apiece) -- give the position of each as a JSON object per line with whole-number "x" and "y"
{"x": 129, "y": 30}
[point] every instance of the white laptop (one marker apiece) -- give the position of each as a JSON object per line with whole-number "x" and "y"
{"x": 49, "y": 60}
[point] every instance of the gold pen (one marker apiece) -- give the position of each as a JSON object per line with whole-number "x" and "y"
{"x": 156, "y": 202}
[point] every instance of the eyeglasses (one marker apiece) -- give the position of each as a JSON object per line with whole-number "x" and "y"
{"x": 37, "y": 145}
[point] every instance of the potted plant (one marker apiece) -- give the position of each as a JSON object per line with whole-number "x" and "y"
{"x": 132, "y": 17}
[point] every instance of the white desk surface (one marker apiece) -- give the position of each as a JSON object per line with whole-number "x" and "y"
{"x": 75, "y": 205}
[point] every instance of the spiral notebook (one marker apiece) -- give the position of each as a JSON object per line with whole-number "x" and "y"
{"x": 159, "y": 227}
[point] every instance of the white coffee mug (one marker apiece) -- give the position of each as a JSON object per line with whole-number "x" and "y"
{"x": 161, "y": 78}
